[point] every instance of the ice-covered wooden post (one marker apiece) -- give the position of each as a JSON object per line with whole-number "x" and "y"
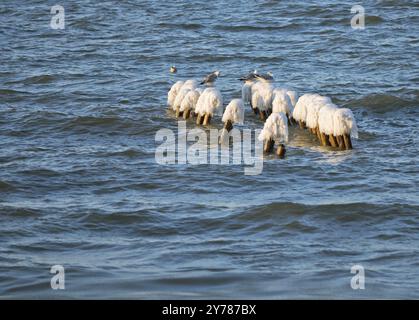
{"x": 326, "y": 123}
{"x": 233, "y": 114}
{"x": 274, "y": 129}
{"x": 344, "y": 126}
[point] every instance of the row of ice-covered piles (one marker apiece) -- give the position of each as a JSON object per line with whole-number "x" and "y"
{"x": 332, "y": 125}
{"x": 278, "y": 107}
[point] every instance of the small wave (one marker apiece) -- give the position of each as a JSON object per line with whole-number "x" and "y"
{"x": 120, "y": 218}
{"x": 125, "y": 153}
{"x": 4, "y": 186}
{"x": 184, "y": 26}
{"x": 18, "y": 212}
{"x": 314, "y": 11}
{"x": 382, "y": 103}
{"x": 11, "y": 92}
{"x": 240, "y": 28}
{"x": 28, "y": 287}
{"x": 41, "y": 172}
{"x": 343, "y": 212}
{"x": 225, "y": 58}
{"x": 211, "y": 58}
{"x": 42, "y": 118}
{"x": 109, "y": 123}
{"x": 87, "y": 24}
{"x": 373, "y": 20}
{"x": 298, "y": 226}
{"x": 390, "y": 256}
{"x": 41, "y": 79}
{"x": 142, "y": 58}
{"x": 111, "y": 190}
{"x": 7, "y": 73}
{"x": 5, "y": 10}
{"x": 93, "y": 121}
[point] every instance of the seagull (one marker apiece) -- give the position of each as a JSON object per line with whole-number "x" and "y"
{"x": 210, "y": 79}
{"x": 251, "y": 76}
{"x": 173, "y": 69}
{"x": 248, "y": 80}
{"x": 265, "y": 77}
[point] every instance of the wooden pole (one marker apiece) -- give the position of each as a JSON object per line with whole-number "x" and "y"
{"x": 269, "y": 145}
{"x": 224, "y": 137}
{"x": 281, "y": 151}
{"x": 324, "y": 140}
{"x": 348, "y": 142}
{"x": 341, "y": 142}
{"x": 198, "y": 118}
{"x": 319, "y": 136}
{"x": 228, "y": 125}
{"x": 207, "y": 119}
{"x": 186, "y": 114}
{"x": 332, "y": 141}
{"x": 262, "y": 115}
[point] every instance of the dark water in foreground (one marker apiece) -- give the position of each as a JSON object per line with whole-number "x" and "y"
{"x": 79, "y": 185}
